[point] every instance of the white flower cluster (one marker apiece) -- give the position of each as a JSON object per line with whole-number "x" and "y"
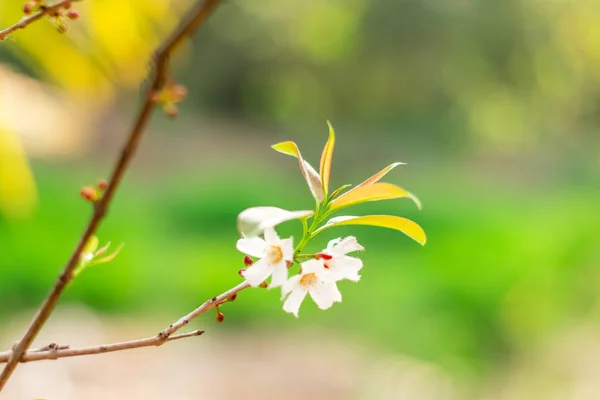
{"x": 317, "y": 276}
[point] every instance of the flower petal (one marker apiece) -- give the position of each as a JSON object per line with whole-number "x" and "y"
{"x": 257, "y": 273}
{"x": 287, "y": 247}
{"x": 271, "y": 236}
{"x": 345, "y": 246}
{"x": 253, "y": 246}
{"x": 253, "y": 221}
{"x": 290, "y": 284}
{"x": 325, "y": 294}
{"x": 294, "y": 300}
{"x": 312, "y": 266}
{"x": 280, "y": 275}
{"x": 348, "y": 268}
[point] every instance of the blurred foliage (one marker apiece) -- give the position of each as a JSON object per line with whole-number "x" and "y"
{"x": 494, "y": 102}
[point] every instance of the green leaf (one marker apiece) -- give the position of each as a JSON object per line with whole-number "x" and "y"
{"x": 106, "y": 259}
{"x": 326, "y": 157}
{"x": 338, "y": 190}
{"x": 311, "y": 176}
{"x": 374, "y": 192}
{"x": 406, "y": 226}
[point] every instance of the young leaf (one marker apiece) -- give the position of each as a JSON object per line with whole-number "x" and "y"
{"x": 326, "y": 156}
{"x": 374, "y": 192}
{"x": 375, "y": 178}
{"x": 339, "y": 190}
{"x": 107, "y": 258}
{"x": 311, "y": 176}
{"x": 406, "y": 226}
{"x": 253, "y": 221}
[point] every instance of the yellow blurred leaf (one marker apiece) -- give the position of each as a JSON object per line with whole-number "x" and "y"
{"x": 326, "y": 156}
{"x": 375, "y": 178}
{"x": 406, "y": 226}
{"x": 18, "y": 196}
{"x": 311, "y": 176}
{"x": 375, "y": 192}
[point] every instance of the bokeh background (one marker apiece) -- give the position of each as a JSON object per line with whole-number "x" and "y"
{"x": 494, "y": 106}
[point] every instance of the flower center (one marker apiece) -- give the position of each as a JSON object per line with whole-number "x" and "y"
{"x": 308, "y": 280}
{"x": 274, "y": 254}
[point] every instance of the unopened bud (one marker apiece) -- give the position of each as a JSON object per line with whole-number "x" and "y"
{"x": 102, "y": 184}
{"x": 171, "y": 110}
{"x": 179, "y": 92}
{"x": 263, "y": 285}
{"x": 62, "y": 27}
{"x": 219, "y": 317}
{"x": 72, "y": 14}
{"x": 248, "y": 261}
{"x": 67, "y": 5}
{"x": 28, "y": 8}
{"x": 89, "y": 193}
{"x": 233, "y": 297}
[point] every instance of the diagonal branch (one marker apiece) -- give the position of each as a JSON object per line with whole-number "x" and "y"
{"x": 54, "y": 351}
{"x": 194, "y": 19}
{"x": 25, "y": 21}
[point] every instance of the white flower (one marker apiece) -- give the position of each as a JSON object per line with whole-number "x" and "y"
{"x": 273, "y": 254}
{"x": 314, "y": 280}
{"x": 338, "y": 264}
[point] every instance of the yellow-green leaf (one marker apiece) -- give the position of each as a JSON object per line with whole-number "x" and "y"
{"x": 339, "y": 190}
{"x": 311, "y": 176}
{"x": 406, "y": 226}
{"x": 375, "y": 178}
{"x": 326, "y": 157}
{"x": 374, "y": 192}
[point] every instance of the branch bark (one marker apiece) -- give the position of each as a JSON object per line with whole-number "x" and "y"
{"x": 54, "y": 351}
{"x": 25, "y": 21}
{"x": 194, "y": 19}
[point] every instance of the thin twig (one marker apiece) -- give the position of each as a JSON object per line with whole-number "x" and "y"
{"x": 56, "y": 352}
{"x": 196, "y": 17}
{"x": 25, "y": 21}
{"x": 206, "y": 306}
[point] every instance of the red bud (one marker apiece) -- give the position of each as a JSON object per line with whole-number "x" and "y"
{"x": 233, "y": 297}
{"x": 248, "y": 261}
{"x": 102, "y": 185}
{"x": 72, "y": 14}
{"x": 219, "y": 317}
{"x": 28, "y": 8}
{"x": 89, "y": 193}
{"x": 67, "y": 5}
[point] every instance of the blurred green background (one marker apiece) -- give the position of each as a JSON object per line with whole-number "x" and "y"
{"x": 493, "y": 105}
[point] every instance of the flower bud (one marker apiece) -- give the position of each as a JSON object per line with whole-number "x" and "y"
{"x": 248, "y": 261}
{"x": 89, "y": 193}
{"x": 72, "y": 14}
{"x": 171, "y": 110}
{"x": 219, "y": 316}
{"x": 102, "y": 185}
{"x": 233, "y": 297}
{"x": 28, "y": 8}
{"x": 62, "y": 27}
{"x": 263, "y": 285}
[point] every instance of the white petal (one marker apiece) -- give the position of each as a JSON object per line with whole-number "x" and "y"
{"x": 253, "y": 221}
{"x": 290, "y": 284}
{"x": 312, "y": 266}
{"x": 294, "y": 300}
{"x": 346, "y": 245}
{"x": 257, "y": 273}
{"x": 332, "y": 243}
{"x": 271, "y": 236}
{"x": 348, "y": 267}
{"x": 253, "y": 246}
{"x": 287, "y": 247}
{"x": 324, "y": 294}
{"x": 280, "y": 275}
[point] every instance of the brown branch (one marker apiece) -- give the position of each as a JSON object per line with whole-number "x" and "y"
{"x": 53, "y": 351}
{"x": 25, "y": 21}
{"x": 196, "y": 17}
